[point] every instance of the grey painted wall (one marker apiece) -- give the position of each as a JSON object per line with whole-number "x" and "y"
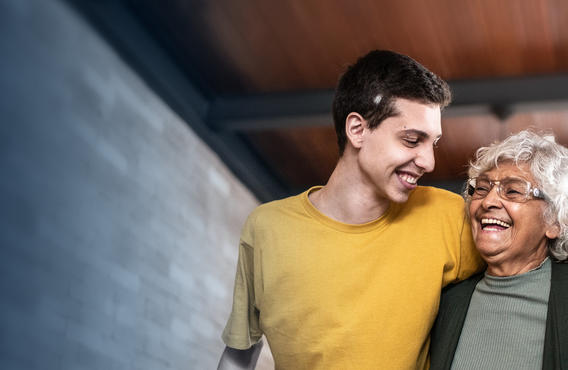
{"x": 118, "y": 227}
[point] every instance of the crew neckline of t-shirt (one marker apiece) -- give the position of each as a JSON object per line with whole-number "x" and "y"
{"x": 338, "y": 225}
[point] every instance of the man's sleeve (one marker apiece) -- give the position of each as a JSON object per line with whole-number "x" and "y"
{"x": 470, "y": 261}
{"x": 242, "y": 329}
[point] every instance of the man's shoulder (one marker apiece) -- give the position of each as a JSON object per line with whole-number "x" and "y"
{"x": 430, "y": 192}
{"x": 279, "y": 205}
{"x": 271, "y": 218}
{"x": 277, "y": 209}
{"x": 431, "y": 199}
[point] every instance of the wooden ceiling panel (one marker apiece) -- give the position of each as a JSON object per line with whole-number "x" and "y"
{"x": 547, "y": 121}
{"x": 290, "y": 44}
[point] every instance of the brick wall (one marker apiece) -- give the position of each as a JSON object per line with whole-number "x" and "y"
{"x": 118, "y": 226}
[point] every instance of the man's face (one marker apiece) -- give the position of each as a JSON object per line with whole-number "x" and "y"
{"x": 394, "y": 155}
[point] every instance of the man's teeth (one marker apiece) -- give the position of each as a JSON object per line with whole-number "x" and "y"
{"x": 409, "y": 179}
{"x": 493, "y": 221}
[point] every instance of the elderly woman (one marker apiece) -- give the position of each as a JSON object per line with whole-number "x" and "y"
{"x": 515, "y": 314}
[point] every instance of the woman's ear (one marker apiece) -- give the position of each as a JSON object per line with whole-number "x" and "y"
{"x": 552, "y": 231}
{"x": 355, "y": 127}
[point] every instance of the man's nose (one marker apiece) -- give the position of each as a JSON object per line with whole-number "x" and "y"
{"x": 425, "y": 159}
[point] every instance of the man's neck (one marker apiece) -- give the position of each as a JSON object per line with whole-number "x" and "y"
{"x": 348, "y": 197}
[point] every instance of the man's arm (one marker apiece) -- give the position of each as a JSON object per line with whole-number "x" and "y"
{"x": 237, "y": 359}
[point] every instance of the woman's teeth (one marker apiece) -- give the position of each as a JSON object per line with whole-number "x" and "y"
{"x": 493, "y": 221}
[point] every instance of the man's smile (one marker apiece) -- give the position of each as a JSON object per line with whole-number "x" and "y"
{"x": 408, "y": 179}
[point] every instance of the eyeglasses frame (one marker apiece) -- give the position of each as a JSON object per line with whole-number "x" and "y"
{"x": 533, "y": 192}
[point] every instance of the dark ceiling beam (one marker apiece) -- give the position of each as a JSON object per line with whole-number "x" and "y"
{"x": 507, "y": 91}
{"x": 276, "y": 110}
{"x": 501, "y": 97}
{"x": 132, "y": 41}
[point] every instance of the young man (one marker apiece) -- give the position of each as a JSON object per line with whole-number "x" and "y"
{"x": 348, "y": 275}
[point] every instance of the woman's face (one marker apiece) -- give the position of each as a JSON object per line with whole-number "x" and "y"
{"x": 507, "y": 232}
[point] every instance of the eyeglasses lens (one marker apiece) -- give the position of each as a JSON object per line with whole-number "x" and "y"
{"x": 515, "y": 190}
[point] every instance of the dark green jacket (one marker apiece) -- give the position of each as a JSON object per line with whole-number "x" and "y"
{"x": 455, "y": 303}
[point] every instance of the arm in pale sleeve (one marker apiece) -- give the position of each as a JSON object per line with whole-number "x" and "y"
{"x": 243, "y": 330}
{"x": 470, "y": 262}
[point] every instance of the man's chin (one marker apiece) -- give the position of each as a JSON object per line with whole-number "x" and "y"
{"x": 400, "y": 197}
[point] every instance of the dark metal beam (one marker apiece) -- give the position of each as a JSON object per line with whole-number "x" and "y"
{"x": 510, "y": 91}
{"x": 278, "y": 110}
{"x": 313, "y": 108}
{"x": 139, "y": 49}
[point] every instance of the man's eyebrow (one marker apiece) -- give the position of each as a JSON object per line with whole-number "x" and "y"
{"x": 419, "y": 133}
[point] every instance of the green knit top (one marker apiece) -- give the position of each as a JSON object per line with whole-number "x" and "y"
{"x": 505, "y": 324}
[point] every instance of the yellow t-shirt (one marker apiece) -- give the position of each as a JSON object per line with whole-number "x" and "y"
{"x": 329, "y": 295}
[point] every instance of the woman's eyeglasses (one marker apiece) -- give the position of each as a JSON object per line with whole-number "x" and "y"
{"x": 510, "y": 188}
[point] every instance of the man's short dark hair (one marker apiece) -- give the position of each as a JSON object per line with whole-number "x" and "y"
{"x": 371, "y": 86}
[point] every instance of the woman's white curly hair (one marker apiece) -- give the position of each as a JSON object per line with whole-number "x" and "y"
{"x": 548, "y": 162}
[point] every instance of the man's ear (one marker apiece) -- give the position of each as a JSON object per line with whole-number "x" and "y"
{"x": 355, "y": 127}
